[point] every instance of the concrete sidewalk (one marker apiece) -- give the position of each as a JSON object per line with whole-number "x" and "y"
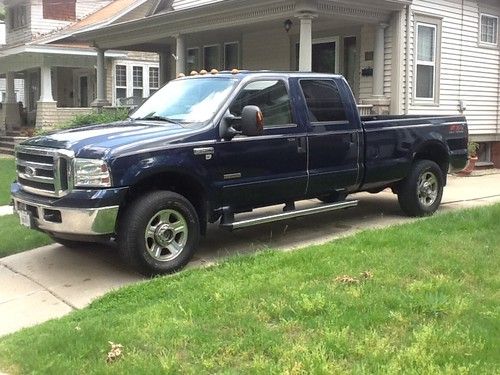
{"x": 6, "y": 210}
{"x": 51, "y": 281}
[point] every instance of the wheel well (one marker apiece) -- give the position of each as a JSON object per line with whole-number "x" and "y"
{"x": 179, "y": 183}
{"x": 437, "y": 154}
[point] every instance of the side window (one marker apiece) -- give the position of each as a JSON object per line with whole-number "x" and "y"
{"x": 323, "y": 101}
{"x": 271, "y": 96}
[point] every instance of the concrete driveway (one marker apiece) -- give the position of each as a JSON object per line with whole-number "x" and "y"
{"x": 51, "y": 281}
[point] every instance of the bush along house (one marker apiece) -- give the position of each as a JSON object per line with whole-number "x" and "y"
{"x": 55, "y": 79}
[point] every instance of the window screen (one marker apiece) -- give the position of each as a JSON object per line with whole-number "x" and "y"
{"x": 323, "y": 101}
{"x": 270, "y": 96}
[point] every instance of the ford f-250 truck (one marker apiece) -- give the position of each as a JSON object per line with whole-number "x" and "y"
{"x": 209, "y": 147}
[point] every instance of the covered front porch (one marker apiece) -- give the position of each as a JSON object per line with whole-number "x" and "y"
{"x": 360, "y": 40}
{"x": 59, "y": 83}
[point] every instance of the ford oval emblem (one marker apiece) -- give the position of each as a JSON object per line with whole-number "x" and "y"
{"x": 30, "y": 171}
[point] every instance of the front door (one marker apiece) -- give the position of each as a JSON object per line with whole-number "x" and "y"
{"x": 325, "y": 56}
{"x": 84, "y": 88}
{"x": 265, "y": 169}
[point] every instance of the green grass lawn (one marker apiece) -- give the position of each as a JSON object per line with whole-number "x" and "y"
{"x": 7, "y": 175}
{"x": 14, "y": 238}
{"x": 420, "y": 298}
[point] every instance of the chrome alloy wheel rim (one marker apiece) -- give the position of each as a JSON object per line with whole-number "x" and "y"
{"x": 166, "y": 235}
{"x": 427, "y": 189}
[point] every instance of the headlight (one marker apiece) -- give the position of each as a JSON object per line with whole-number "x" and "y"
{"x": 91, "y": 173}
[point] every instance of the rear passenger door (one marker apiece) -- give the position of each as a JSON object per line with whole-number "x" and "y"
{"x": 333, "y": 137}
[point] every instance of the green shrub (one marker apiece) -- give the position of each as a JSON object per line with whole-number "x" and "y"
{"x": 104, "y": 117}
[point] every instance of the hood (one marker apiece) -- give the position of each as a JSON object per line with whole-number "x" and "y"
{"x": 103, "y": 141}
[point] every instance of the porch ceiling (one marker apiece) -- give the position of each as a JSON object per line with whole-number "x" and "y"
{"x": 157, "y": 30}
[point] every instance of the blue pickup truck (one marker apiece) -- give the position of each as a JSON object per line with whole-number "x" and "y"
{"x": 210, "y": 147}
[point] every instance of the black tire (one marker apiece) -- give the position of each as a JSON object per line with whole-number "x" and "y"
{"x": 70, "y": 244}
{"x": 420, "y": 193}
{"x": 333, "y": 197}
{"x": 163, "y": 214}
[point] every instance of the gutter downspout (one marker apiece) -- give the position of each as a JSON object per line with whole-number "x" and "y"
{"x": 407, "y": 55}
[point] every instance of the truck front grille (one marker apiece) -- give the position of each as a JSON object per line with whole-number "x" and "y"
{"x": 44, "y": 171}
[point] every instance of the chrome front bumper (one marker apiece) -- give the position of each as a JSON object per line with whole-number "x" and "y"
{"x": 75, "y": 221}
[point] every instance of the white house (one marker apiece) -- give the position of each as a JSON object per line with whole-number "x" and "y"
{"x": 57, "y": 79}
{"x": 400, "y": 56}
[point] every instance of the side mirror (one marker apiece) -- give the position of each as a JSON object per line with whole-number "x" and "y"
{"x": 252, "y": 121}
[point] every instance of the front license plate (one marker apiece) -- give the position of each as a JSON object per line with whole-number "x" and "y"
{"x": 25, "y": 218}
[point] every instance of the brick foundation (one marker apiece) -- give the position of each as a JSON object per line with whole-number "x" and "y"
{"x": 49, "y": 116}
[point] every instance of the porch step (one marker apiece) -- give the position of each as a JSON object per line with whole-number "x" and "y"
{"x": 6, "y": 151}
{"x": 8, "y": 143}
{"x": 288, "y": 214}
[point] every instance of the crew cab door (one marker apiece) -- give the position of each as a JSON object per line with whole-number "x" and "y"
{"x": 268, "y": 168}
{"x": 334, "y": 136}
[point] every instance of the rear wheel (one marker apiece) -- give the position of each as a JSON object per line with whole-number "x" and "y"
{"x": 159, "y": 233}
{"x": 420, "y": 193}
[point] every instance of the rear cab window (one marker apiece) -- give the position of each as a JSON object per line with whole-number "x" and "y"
{"x": 324, "y": 102}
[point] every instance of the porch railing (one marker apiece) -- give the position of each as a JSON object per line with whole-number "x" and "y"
{"x": 365, "y": 109}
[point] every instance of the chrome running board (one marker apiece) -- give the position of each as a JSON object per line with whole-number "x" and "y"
{"x": 289, "y": 214}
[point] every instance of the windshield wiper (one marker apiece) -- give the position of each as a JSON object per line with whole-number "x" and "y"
{"x": 157, "y": 118}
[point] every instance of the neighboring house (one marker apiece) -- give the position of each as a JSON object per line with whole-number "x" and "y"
{"x": 19, "y": 83}
{"x": 400, "y": 56}
{"x": 56, "y": 79}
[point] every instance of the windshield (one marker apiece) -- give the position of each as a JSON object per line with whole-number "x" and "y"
{"x": 186, "y": 100}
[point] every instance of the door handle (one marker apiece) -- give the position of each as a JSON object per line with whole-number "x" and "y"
{"x": 353, "y": 137}
{"x": 302, "y": 145}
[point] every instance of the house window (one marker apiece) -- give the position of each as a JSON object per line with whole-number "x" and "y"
{"x": 426, "y": 61}
{"x": 59, "y": 10}
{"x": 489, "y": 29}
{"x": 121, "y": 81}
{"x": 231, "y": 55}
{"x": 211, "y": 57}
{"x": 137, "y": 81}
{"x": 17, "y": 17}
{"x": 154, "y": 80}
{"x": 193, "y": 59}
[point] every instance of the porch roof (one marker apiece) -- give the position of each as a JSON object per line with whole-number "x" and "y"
{"x": 31, "y": 56}
{"x": 210, "y": 15}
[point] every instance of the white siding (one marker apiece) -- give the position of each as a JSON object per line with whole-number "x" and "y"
{"x": 388, "y": 60}
{"x": 185, "y": 4}
{"x": 2, "y": 33}
{"x": 18, "y": 87}
{"x": 469, "y": 71}
{"x": 86, "y": 7}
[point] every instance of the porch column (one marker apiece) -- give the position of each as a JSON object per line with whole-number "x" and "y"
{"x": 180, "y": 64}
{"x": 378, "y": 61}
{"x": 380, "y": 103}
{"x": 164, "y": 58}
{"x": 305, "y": 46}
{"x": 46, "y": 107}
{"x": 46, "y": 84}
{"x": 11, "y": 108}
{"x": 101, "y": 99}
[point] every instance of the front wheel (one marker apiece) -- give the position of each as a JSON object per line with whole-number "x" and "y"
{"x": 159, "y": 233}
{"x": 420, "y": 193}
